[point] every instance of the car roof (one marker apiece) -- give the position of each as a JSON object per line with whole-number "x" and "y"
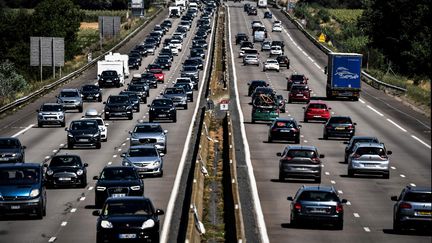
{"x": 318, "y": 188}
{"x": 119, "y": 167}
{"x": 285, "y": 119}
{"x": 419, "y": 189}
{"x": 302, "y": 147}
{"x": 69, "y": 90}
{"x": 376, "y": 145}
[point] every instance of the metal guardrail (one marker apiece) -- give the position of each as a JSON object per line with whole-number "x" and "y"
{"x": 326, "y": 50}
{"x": 76, "y": 73}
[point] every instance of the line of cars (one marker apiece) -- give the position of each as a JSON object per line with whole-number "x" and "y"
{"x": 364, "y": 155}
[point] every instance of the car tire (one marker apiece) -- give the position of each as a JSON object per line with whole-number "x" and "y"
{"x": 70, "y": 146}
{"x": 39, "y": 213}
{"x": 318, "y": 180}
{"x": 253, "y": 121}
{"x": 185, "y": 106}
{"x": 397, "y": 227}
{"x": 269, "y": 139}
{"x": 305, "y": 119}
{"x": 138, "y": 110}
{"x": 339, "y": 225}
{"x": 325, "y": 136}
{"x": 83, "y": 183}
{"x": 100, "y": 98}
{"x": 160, "y": 175}
{"x": 98, "y": 145}
{"x": 281, "y": 177}
{"x": 145, "y": 100}
{"x": 386, "y": 175}
{"x": 175, "y": 119}
{"x": 63, "y": 124}
{"x": 350, "y": 173}
{"x": 80, "y": 109}
{"x": 40, "y": 124}
{"x": 297, "y": 140}
{"x": 107, "y": 117}
{"x": 130, "y": 117}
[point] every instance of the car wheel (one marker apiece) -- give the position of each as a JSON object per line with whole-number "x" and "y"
{"x": 130, "y": 117}
{"x": 325, "y": 136}
{"x": 289, "y": 101}
{"x": 281, "y": 176}
{"x": 145, "y": 100}
{"x": 269, "y": 139}
{"x": 83, "y": 183}
{"x": 253, "y": 121}
{"x": 350, "y": 173}
{"x": 305, "y": 119}
{"x": 160, "y": 175}
{"x": 297, "y": 140}
{"x": 39, "y": 212}
{"x": 339, "y": 225}
{"x": 185, "y": 106}
{"x": 40, "y": 124}
{"x": 63, "y": 124}
{"x": 80, "y": 109}
{"x": 397, "y": 227}
{"x": 98, "y": 145}
{"x": 70, "y": 145}
{"x": 386, "y": 175}
{"x": 288, "y": 66}
{"x": 100, "y": 98}
{"x": 107, "y": 117}
{"x": 138, "y": 109}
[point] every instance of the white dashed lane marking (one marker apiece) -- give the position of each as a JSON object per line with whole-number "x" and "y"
{"x": 52, "y": 239}
{"x": 333, "y": 182}
{"x": 370, "y": 107}
{"x": 356, "y": 215}
{"x": 412, "y": 184}
{"x": 63, "y": 224}
{"x": 418, "y": 139}
{"x": 393, "y": 168}
{"x": 73, "y": 210}
{"x": 394, "y": 123}
{"x": 402, "y": 175}
{"x": 366, "y": 229}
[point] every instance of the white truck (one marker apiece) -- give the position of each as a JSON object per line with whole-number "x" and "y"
{"x": 174, "y": 11}
{"x": 110, "y": 73}
{"x": 262, "y": 4}
{"x": 119, "y": 57}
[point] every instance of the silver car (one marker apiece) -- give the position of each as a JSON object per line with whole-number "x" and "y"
{"x": 150, "y": 134}
{"x": 70, "y": 99}
{"x": 177, "y": 95}
{"x": 145, "y": 158}
{"x": 251, "y": 60}
{"x": 52, "y": 114}
{"x": 369, "y": 158}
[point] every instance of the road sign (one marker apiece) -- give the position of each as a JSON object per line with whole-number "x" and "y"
{"x": 224, "y": 105}
{"x": 322, "y": 38}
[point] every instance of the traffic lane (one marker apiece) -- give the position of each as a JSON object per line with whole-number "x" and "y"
{"x": 405, "y": 114}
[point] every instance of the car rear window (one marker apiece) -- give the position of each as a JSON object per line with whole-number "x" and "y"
{"x": 317, "y": 106}
{"x": 302, "y": 153}
{"x": 318, "y": 196}
{"x": 284, "y": 124}
{"x": 148, "y": 128}
{"x": 65, "y": 161}
{"x": 370, "y": 150}
{"x": 418, "y": 197}
{"x": 342, "y": 120}
{"x": 118, "y": 174}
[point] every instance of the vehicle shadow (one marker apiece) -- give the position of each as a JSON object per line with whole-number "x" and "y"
{"x": 91, "y": 207}
{"x": 17, "y": 218}
{"x": 308, "y": 226}
{"x": 342, "y": 162}
{"x": 418, "y": 232}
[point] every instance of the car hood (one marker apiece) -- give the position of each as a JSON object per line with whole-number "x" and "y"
{"x": 64, "y": 169}
{"x": 50, "y": 113}
{"x": 142, "y": 159}
{"x": 147, "y": 135}
{"x": 131, "y": 220}
{"x": 118, "y": 183}
{"x": 84, "y": 132}
{"x": 69, "y": 98}
{"x": 116, "y": 104}
{"x": 171, "y": 96}
{"x": 16, "y": 190}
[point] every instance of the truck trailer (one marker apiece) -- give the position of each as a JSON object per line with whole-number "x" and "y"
{"x": 344, "y": 75}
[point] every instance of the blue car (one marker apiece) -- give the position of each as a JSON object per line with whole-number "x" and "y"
{"x": 22, "y": 189}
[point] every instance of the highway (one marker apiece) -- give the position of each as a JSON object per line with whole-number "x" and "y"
{"x": 368, "y": 215}
{"x": 69, "y": 211}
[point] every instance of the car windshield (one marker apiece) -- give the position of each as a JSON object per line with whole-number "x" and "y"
{"x": 51, "y": 108}
{"x": 65, "y": 161}
{"x": 370, "y": 151}
{"x": 19, "y": 176}
{"x": 284, "y": 124}
{"x": 131, "y": 95}
{"x": 301, "y": 153}
{"x": 136, "y": 88}
{"x": 9, "y": 143}
{"x": 128, "y": 207}
{"x": 118, "y": 99}
{"x": 109, "y": 73}
{"x": 296, "y": 77}
{"x": 318, "y": 196}
{"x": 317, "y": 106}
{"x": 143, "y": 152}
{"x": 162, "y": 103}
{"x": 186, "y": 87}
{"x": 118, "y": 174}
{"x": 174, "y": 91}
{"x": 340, "y": 120}
{"x": 68, "y": 94}
{"x": 83, "y": 125}
{"x": 418, "y": 197}
{"x": 147, "y": 128}
{"x": 90, "y": 88}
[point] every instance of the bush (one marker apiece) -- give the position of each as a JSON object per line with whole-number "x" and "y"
{"x": 10, "y": 81}
{"x": 324, "y": 15}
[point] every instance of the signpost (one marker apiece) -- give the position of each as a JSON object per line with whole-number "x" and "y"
{"x": 47, "y": 51}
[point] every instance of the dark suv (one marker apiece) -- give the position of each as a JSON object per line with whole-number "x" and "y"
{"x": 296, "y": 79}
{"x": 118, "y": 106}
{"x": 298, "y": 161}
{"x": 83, "y": 132}
{"x": 284, "y": 129}
{"x": 162, "y": 109}
{"x": 11, "y": 150}
{"x": 413, "y": 208}
{"x": 109, "y": 78}
{"x": 91, "y": 92}
{"x": 299, "y": 93}
{"x": 317, "y": 204}
{"x": 339, "y": 126}
{"x": 22, "y": 189}
{"x": 283, "y": 61}
{"x": 255, "y": 84}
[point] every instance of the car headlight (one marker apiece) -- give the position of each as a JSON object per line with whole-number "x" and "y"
{"x": 156, "y": 163}
{"x": 160, "y": 140}
{"x": 135, "y": 188}
{"x": 70, "y": 135}
{"x": 116, "y": 78}
{"x": 106, "y": 224}
{"x": 100, "y": 188}
{"x": 34, "y": 193}
{"x": 96, "y": 95}
{"x": 152, "y": 109}
{"x": 148, "y": 224}
{"x": 102, "y": 129}
{"x": 61, "y": 117}
{"x": 80, "y": 172}
{"x": 126, "y": 163}
{"x": 96, "y": 135}
{"x": 50, "y": 172}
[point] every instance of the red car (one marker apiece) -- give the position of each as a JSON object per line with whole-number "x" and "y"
{"x": 316, "y": 110}
{"x": 299, "y": 93}
{"x": 296, "y": 79}
{"x": 156, "y": 70}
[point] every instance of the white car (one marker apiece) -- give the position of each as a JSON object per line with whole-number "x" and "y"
{"x": 176, "y": 43}
{"x": 275, "y": 51}
{"x": 271, "y": 64}
{"x": 174, "y": 50}
{"x": 277, "y": 28}
{"x": 265, "y": 46}
{"x": 103, "y": 127}
{"x": 251, "y": 60}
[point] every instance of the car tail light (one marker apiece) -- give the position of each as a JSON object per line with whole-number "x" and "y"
{"x": 350, "y": 127}
{"x": 287, "y": 158}
{"x": 355, "y": 156}
{"x": 384, "y": 157}
{"x": 294, "y": 129}
{"x": 329, "y": 127}
{"x": 297, "y": 206}
{"x": 339, "y": 208}
{"x": 315, "y": 160}
{"x": 405, "y": 205}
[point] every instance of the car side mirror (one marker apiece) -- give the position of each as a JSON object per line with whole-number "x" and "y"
{"x": 148, "y": 105}
{"x": 106, "y": 124}
{"x": 344, "y": 201}
{"x": 165, "y": 131}
{"x": 130, "y": 132}
{"x": 355, "y": 124}
{"x": 161, "y": 154}
{"x": 290, "y": 198}
{"x": 45, "y": 165}
{"x": 159, "y": 212}
{"x": 85, "y": 165}
{"x": 389, "y": 152}
{"x": 96, "y": 213}
{"x": 66, "y": 129}
{"x": 393, "y": 198}
{"x": 123, "y": 155}
{"x": 95, "y": 177}
{"x": 329, "y": 108}
{"x": 23, "y": 147}
{"x": 37, "y": 110}
{"x": 299, "y": 126}
{"x": 304, "y": 108}
{"x": 279, "y": 154}
{"x": 321, "y": 156}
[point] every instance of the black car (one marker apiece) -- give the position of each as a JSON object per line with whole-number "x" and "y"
{"x": 118, "y": 106}
{"x": 139, "y": 49}
{"x": 83, "y": 132}
{"x": 283, "y": 61}
{"x": 317, "y": 204}
{"x": 162, "y": 109}
{"x": 142, "y": 90}
{"x": 128, "y": 218}
{"x": 246, "y": 7}
{"x": 195, "y": 61}
{"x": 166, "y": 23}
{"x": 134, "y": 61}
{"x": 284, "y": 129}
{"x": 199, "y": 51}
{"x": 66, "y": 170}
{"x": 164, "y": 63}
{"x": 150, "y": 79}
{"x": 268, "y": 15}
{"x": 339, "y": 126}
{"x": 278, "y": 43}
{"x": 91, "y": 92}
{"x": 255, "y": 84}
{"x": 117, "y": 181}
{"x": 357, "y": 139}
{"x": 11, "y": 150}
{"x": 109, "y": 78}
{"x": 252, "y": 11}
{"x": 134, "y": 98}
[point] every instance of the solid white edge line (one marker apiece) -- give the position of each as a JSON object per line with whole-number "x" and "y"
{"x": 170, "y": 207}
{"x": 373, "y": 109}
{"x": 421, "y": 141}
{"x": 23, "y": 131}
{"x": 258, "y": 210}
{"x": 394, "y": 123}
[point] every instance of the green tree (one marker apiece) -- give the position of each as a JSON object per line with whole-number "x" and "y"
{"x": 59, "y": 18}
{"x": 10, "y": 81}
{"x": 402, "y": 30}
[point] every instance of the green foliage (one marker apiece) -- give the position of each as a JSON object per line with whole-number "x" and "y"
{"x": 59, "y": 18}
{"x": 351, "y": 4}
{"x": 10, "y": 81}
{"x": 420, "y": 95}
{"x": 324, "y": 15}
{"x": 345, "y": 15}
{"x": 93, "y": 15}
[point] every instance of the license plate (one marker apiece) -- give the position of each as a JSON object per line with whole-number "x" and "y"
{"x": 83, "y": 140}
{"x": 162, "y": 115}
{"x": 90, "y": 97}
{"x": 425, "y": 213}
{"x": 3, "y": 159}
{"x": 285, "y": 130}
{"x": 117, "y": 113}
{"x": 316, "y": 116}
{"x": 51, "y": 118}
{"x": 15, "y": 207}
{"x": 301, "y": 168}
{"x": 108, "y": 81}
{"x": 64, "y": 179}
{"x": 118, "y": 195}
{"x": 368, "y": 165}
{"x": 340, "y": 128}
{"x": 299, "y": 95}
{"x": 127, "y": 236}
